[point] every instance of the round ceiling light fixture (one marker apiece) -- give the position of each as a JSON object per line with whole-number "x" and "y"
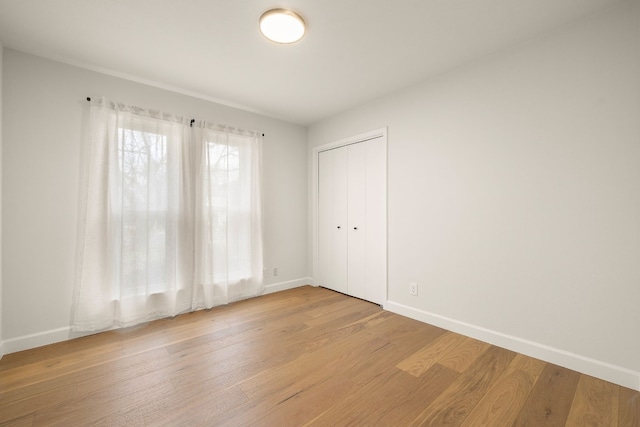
{"x": 282, "y": 25}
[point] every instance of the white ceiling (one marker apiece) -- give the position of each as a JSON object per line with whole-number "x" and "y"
{"x": 354, "y": 50}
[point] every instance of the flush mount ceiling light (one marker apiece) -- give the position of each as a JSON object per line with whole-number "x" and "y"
{"x": 282, "y": 26}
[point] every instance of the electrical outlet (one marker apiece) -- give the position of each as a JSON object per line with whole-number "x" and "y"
{"x": 413, "y": 288}
{"x": 275, "y": 271}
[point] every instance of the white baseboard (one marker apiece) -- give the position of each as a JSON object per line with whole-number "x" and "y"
{"x": 52, "y": 336}
{"x": 39, "y": 339}
{"x": 605, "y": 371}
{"x": 283, "y": 286}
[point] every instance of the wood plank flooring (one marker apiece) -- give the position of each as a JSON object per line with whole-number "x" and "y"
{"x": 303, "y": 357}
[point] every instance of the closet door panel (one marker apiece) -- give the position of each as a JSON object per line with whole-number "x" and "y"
{"x": 357, "y": 216}
{"x": 376, "y": 221}
{"x": 340, "y": 217}
{"x": 352, "y": 220}
{"x": 325, "y": 219}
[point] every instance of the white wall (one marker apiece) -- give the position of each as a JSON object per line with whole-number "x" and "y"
{"x": 514, "y": 195}
{"x": 44, "y": 107}
{"x": 1, "y": 311}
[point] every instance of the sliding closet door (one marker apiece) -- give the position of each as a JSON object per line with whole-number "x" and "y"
{"x": 340, "y": 220}
{"x": 325, "y": 218}
{"x": 332, "y": 220}
{"x": 352, "y": 219}
{"x": 357, "y": 215}
{"x": 376, "y": 221}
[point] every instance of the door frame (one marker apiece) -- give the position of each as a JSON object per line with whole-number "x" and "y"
{"x": 376, "y": 133}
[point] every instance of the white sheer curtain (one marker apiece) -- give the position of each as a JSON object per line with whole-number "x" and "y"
{"x": 228, "y": 215}
{"x": 170, "y": 217}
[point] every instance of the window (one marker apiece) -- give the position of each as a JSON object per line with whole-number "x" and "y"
{"x": 171, "y": 217}
{"x": 144, "y": 212}
{"x": 228, "y": 200}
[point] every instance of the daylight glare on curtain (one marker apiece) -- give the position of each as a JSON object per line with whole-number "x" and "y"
{"x": 170, "y": 217}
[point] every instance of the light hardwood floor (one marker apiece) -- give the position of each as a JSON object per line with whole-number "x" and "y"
{"x": 307, "y": 356}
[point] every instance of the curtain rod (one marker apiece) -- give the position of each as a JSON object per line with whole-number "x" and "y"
{"x": 190, "y": 123}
